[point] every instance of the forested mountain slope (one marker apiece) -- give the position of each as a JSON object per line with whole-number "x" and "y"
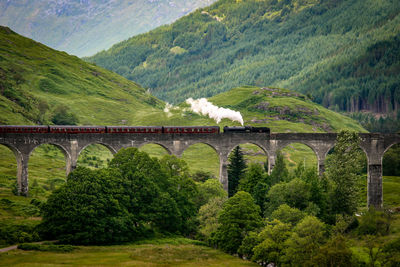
{"x": 40, "y": 85}
{"x": 345, "y": 54}
{"x": 84, "y": 27}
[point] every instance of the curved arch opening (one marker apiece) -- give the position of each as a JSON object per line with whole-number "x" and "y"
{"x": 94, "y": 156}
{"x": 47, "y": 169}
{"x": 299, "y": 154}
{"x": 154, "y": 150}
{"x": 391, "y": 176}
{"x": 202, "y": 160}
{"x": 8, "y": 169}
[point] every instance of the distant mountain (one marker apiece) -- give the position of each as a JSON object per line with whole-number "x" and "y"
{"x": 344, "y": 53}
{"x": 84, "y": 27}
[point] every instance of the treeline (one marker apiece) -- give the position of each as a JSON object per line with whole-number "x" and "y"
{"x": 345, "y": 54}
{"x": 300, "y": 219}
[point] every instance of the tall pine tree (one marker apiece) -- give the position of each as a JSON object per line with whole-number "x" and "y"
{"x": 236, "y": 168}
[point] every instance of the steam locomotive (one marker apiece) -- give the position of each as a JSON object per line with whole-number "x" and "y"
{"x": 129, "y": 129}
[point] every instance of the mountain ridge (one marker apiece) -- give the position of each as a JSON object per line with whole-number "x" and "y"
{"x": 332, "y": 50}
{"x": 84, "y": 27}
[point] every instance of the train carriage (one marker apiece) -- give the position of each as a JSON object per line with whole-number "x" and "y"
{"x": 24, "y": 129}
{"x": 191, "y": 129}
{"x": 134, "y": 129}
{"x": 76, "y": 129}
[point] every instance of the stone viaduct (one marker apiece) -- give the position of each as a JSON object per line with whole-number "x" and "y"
{"x": 374, "y": 146}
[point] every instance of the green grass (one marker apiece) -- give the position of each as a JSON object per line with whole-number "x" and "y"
{"x": 391, "y": 191}
{"x": 179, "y": 252}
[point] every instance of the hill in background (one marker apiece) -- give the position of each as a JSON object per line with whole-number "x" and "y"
{"x": 85, "y": 27}
{"x": 344, "y": 54}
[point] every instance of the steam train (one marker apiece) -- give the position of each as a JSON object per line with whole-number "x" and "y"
{"x": 129, "y": 129}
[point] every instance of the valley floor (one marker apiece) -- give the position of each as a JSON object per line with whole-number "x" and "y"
{"x": 164, "y": 252}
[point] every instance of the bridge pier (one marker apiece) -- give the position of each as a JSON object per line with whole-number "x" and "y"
{"x": 223, "y": 172}
{"x": 22, "y": 174}
{"x": 375, "y": 186}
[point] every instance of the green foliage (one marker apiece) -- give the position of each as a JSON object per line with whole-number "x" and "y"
{"x": 301, "y": 45}
{"x": 211, "y": 188}
{"x": 374, "y": 222}
{"x": 135, "y": 195}
{"x": 303, "y": 245}
{"x": 336, "y": 252}
{"x": 236, "y": 170}
{"x": 12, "y": 232}
{"x": 255, "y": 182}
{"x": 208, "y": 217}
{"x": 279, "y": 173}
{"x": 295, "y": 193}
{"x": 286, "y": 214}
{"x": 94, "y": 213}
{"x": 342, "y": 169}
{"x": 53, "y": 248}
{"x": 391, "y": 161}
{"x": 238, "y": 217}
{"x": 273, "y": 238}
{"x": 63, "y": 117}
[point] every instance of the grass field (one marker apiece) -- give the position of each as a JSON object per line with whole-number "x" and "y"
{"x": 161, "y": 252}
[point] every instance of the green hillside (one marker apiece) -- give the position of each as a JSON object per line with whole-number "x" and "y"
{"x": 84, "y": 28}
{"x": 345, "y": 54}
{"x": 37, "y": 83}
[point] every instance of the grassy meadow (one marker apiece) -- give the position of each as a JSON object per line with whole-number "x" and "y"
{"x": 157, "y": 253}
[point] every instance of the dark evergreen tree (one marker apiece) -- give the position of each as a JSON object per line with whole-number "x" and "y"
{"x": 279, "y": 173}
{"x": 236, "y": 170}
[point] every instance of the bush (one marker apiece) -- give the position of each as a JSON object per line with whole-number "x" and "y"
{"x": 53, "y": 248}
{"x": 374, "y": 222}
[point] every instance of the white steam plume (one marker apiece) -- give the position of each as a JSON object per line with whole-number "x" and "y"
{"x": 202, "y": 106}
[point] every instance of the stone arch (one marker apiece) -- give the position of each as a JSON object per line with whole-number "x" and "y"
{"x": 63, "y": 149}
{"x": 167, "y": 149}
{"x": 87, "y": 161}
{"x": 40, "y": 168}
{"x": 297, "y": 147}
{"x": 109, "y": 147}
{"x": 198, "y": 148}
{"x": 389, "y": 146}
{"x": 13, "y": 149}
{"x": 232, "y": 147}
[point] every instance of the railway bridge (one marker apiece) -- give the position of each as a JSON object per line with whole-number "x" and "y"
{"x": 374, "y": 145}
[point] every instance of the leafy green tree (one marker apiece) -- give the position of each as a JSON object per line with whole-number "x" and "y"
{"x": 208, "y": 217}
{"x": 239, "y": 216}
{"x": 305, "y": 241}
{"x": 273, "y": 238}
{"x": 211, "y": 188}
{"x": 280, "y": 172}
{"x": 236, "y": 170}
{"x": 336, "y": 252}
{"x": 88, "y": 209}
{"x": 342, "y": 169}
{"x": 287, "y": 214}
{"x": 295, "y": 193}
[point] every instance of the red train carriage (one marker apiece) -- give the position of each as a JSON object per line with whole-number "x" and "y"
{"x": 191, "y": 129}
{"x": 134, "y": 129}
{"x": 76, "y": 129}
{"x": 24, "y": 129}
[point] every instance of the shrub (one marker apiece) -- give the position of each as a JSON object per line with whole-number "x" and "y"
{"x": 51, "y": 247}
